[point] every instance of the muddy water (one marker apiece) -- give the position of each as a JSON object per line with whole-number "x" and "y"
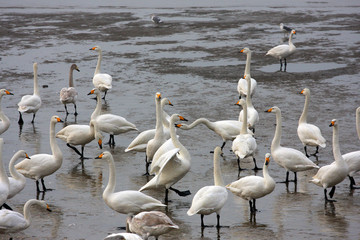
{"x": 194, "y": 60}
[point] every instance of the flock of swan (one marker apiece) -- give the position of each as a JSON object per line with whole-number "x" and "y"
{"x": 166, "y": 158}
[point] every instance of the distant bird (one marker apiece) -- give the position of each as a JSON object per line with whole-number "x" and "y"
{"x": 242, "y": 83}
{"x": 69, "y": 95}
{"x": 156, "y": 19}
{"x": 334, "y": 173}
{"x": 309, "y": 134}
{"x": 102, "y": 81}
{"x": 30, "y": 103}
{"x": 253, "y": 187}
{"x": 210, "y": 199}
{"x": 287, "y": 30}
{"x": 153, "y": 223}
{"x": 5, "y": 122}
{"x": 17, "y": 181}
{"x": 283, "y": 51}
{"x": 123, "y": 236}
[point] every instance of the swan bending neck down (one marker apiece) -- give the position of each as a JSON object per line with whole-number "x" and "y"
{"x": 11, "y": 221}
{"x": 210, "y": 199}
{"x": 17, "y": 180}
{"x": 309, "y": 134}
{"x": 102, "y": 81}
{"x": 5, "y": 122}
{"x": 42, "y": 165}
{"x": 332, "y": 174}
{"x": 129, "y": 201}
{"x": 288, "y": 158}
{"x": 173, "y": 164}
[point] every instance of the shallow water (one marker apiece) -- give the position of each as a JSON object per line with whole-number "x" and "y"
{"x": 194, "y": 60}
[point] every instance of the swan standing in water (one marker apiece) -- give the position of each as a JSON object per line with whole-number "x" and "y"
{"x": 4, "y": 180}
{"x": 253, "y": 187}
{"x": 291, "y": 159}
{"x": 244, "y": 145}
{"x": 69, "y": 95}
{"x": 242, "y": 83}
{"x": 102, "y": 81}
{"x": 353, "y": 158}
{"x": 30, "y": 103}
{"x": 172, "y": 165}
{"x": 309, "y": 134}
{"x": 11, "y": 221}
{"x": 42, "y": 165}
{"x": 17, "y": 180}
{"x": 210, "y": 199}
{"x": 283, "y": 51}
{"x": 5, "y": 122}
{"x": 128, "y": 201}
{"x": 334, "y": 173}
{"x": 152, "y": 223}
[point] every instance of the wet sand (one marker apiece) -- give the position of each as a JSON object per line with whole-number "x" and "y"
{"x": 194, "y": 60}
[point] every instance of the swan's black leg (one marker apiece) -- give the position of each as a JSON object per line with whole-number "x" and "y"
{"x": 76, "y": 113}
{"x": 104, "y": 95}
{"x": 202, "y": 220}
{"x": 33, "y": 119}
{"x": 21, "y": 121}
{"x": 43, "y": 185}
{"x": 256, "y": 167}
{"x": 305, "y": 149}
{"x": 180, "y": 193}
{"x": 281, "y": 64}
{"x": 352, "y": 183}
{"x": 74, "y": 148}
{"x": 332, "y": 192}
{"x": 66, "y": 109}
{"x": 217, "y": 220}
{"x": 295, "y": 177}
{"x": 285, "y": 64}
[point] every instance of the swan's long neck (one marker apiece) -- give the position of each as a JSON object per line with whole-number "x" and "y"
{"x": 277, "y": 137}
{"x": 15, "y": 174}
{"x": 245, "y": 122}
{"x": 303, "y": 117}
{"x": 290, "y": 40}
{"x": 27, "y": 215}
{"x": 53, "y": 144}
{"x": 3, "y": 175}
{"x": 36, "y": 86}
{"x": 198, "y": 121}
{"x": 358, "y": 121}
{"x": 248, "y": 63}
{"x": 71, "y": 81}
{"x": 159, "y": 121}
{"x": 336, "y": 146}
{"x": 97, "y": 110}
{"x": 97, "y": 70}
{"x": 218, "y": 179}
{"x": 112, "y": 181}
{"x": 175, "y": 139}
{"x": 248, "y": 92}
{"x": 3, "y": 117}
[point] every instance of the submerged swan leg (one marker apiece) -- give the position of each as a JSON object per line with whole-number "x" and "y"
{"x": 21, "y": 121}
{"x": 256, "y": 167}
{"x": 76, "y": 113}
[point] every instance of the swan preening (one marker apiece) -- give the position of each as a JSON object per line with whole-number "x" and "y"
{"x": 210, "y": 199}
{"x": 11, "y": 221}
{"x": 283, "y": 51}
{"x": 309, "y": 134}
{"x": 291, "y": 159}
{"x": 334, "y": 173}
{"x": 5, "y": 122}
{"x": 69, "y": 95}
{"x": 253, "y": 187}
{"x": 242, "y": 86}
{"x": 30, "y": 103}
{"x": 102, "y": 81}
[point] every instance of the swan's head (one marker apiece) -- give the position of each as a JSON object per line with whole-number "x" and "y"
{"x": 23, "y": 154}
{"x": 267, "y": 158}
{"x": 96, "y": 48}
{"x": 245, "y": 50}
{"x": 241, "y": 102}
{"x": 158, "y": 95}
{"x": 177, "y": 117}
{"x": 56, "y": 119}
{"x": 104, "y": 155}
{"x": 5, "y": 92}
{"x": 94, "y": 91}
{"x": 305, "y": 91}
{"x": 333, "y": 123}
{"x": 293, "y": 32}
{"x": 75, "y": 67}
{"x": 273, "y": 109}
{"x": 166, "y": 101}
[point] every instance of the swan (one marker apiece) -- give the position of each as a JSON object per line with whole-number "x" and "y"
{"x": 153, "y": 223}
{"x": 242, "y": 83}
{"x": 226, "y": 129}
{"x": 244, "y": 145}
{"x": 253, "y": 115}
{"x": 69, "y": 95}
{"x": 287, "y": 30}
{"x": 253, "y": 187}
{"x": 11, "y": 221}
{"x": 110, "y": 123}
{"x": 210, "y": 199}
{"x": 334, "y": 173}
{"x": 140, "y": 142}
{"x": 172, "y": 165}
{"x": 283, "y": 51}
{"x": 309, "y": 134}
{"x": 102, "y": 81}
{"x": 155, "y": 19}
{"x": 4, "y": 180}
{"x": 30, "y": 103}
{"x": 353, "y": 158}
{"x": 42, "y": 165}
{"x": 128, "y": 201}
{"x": 17, "y": 180}
{"x": 123, "y": 236}
{"x": 291, "y": 159}
{"x": 5, "y": 122}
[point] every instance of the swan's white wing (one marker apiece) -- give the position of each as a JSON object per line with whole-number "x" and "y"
{"x": 11, "y": 220}
{"x": 163, "y": 160}
{"x": 139, "y": 143}
{"x": 29, "y": 103}
{"x": 102, "y": 81}
{"x": 68, "y": 95}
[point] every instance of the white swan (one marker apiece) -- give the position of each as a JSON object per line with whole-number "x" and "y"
{"x": 210, "y": 199}
{"x": 110, "y": 123}
{"x": 334, "y": 173}
{"x": 140, "y": 142}
{"x": 5, "y": 122}
{"x": 244, "y": 145}
{"x": 173, "y": 164}
{"x": 69, "y": 95}
{"x": 253, "y": 115}
{"x": 17, "y": 180}
{"x": 253, "y": 187}
{"x": 353, "y": 158}
{"x": 123, "y": 236}
{"x": 242, "y": 83}
{"x": 128, "y": 201}
{"x": 153, "y": 223}
{"x": 102, "y": 81}
{"x": 42, "y": 165}
{"x": 309, "y": 134}
{"x": 283, "y": 51}
{"x": 11, "y": 221}
{"x": 30, "y": 103}
{"x": 291, "y": 159}
{"x": 4, "y": 180}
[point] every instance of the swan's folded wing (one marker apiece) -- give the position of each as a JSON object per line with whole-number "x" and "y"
{"x": 165, "y": 158}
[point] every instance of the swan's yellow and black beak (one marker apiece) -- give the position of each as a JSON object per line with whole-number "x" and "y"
{"x": 100, "y": 156}
{"x": 91, "y": 92}
{"x": 332, "y": 123}
{"x": 170, "y": 103}
{"x": 100, "y": 143}
{"x": 269, "y": 110}
{"x": 27, "y": 156}
{"x": 182, "y": 118}
{"x": 59, "y": 120}
{"x": 92, "y": 48}
{"x": 8, "y": 93}
{"x": 48, "y": 208}
{"x": 158, "y": 95}
{"x": 77, "y": 69}
{"x": 242, "y": 50}
{"x": 267, "y": 160}
{"x": 302, "y": 91}
{"x": 178, "y": 125}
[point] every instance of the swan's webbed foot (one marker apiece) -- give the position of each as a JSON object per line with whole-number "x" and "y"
{"x": 180, "y": 193}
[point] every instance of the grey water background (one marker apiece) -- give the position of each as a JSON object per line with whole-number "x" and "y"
{"x": 194, "y": 60}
